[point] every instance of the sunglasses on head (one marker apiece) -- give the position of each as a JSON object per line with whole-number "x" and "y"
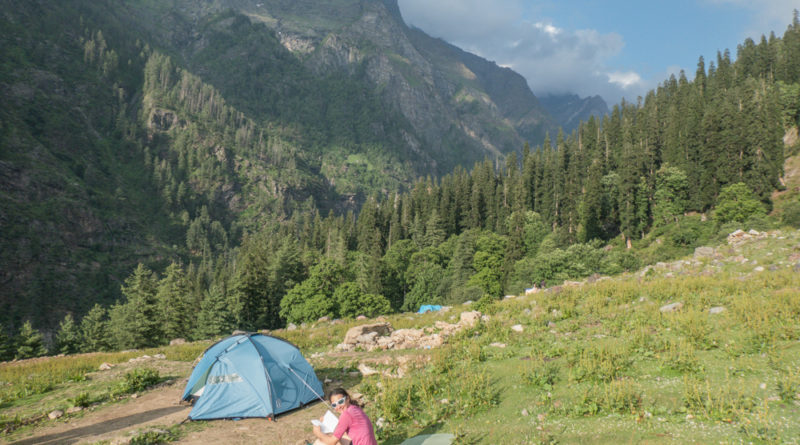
{"x": 339, "y": 402}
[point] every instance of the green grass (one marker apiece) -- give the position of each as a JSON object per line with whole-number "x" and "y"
{"x": 598, "y": 363}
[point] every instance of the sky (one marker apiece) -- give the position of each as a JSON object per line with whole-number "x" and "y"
{"x": 614, "y": 48}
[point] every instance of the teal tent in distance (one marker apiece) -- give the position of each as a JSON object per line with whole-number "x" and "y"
{"x": 250, "y": 375}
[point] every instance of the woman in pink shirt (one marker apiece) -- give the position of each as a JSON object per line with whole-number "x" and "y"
{"x": 352, "y": 421}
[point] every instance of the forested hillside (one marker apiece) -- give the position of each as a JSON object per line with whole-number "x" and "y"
{"x": 163, "y": 131}
{"x": 234, "y": 204}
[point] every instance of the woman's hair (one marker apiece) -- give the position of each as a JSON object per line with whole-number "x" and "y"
{"x": 343, "y": 393}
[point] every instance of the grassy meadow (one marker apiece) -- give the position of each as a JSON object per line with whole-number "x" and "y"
{"x": 593, "y": 363}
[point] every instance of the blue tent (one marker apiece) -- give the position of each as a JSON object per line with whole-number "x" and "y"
{"x": 251, "y": 375}
{"x": 429, "y": 308}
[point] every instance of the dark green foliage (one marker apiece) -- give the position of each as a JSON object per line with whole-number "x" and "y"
{"x": 737, "y": 203}
{"x": 217, "y": 316}
{"x": 95, "y": 333}
{"x": 68, "y": 338}
{"x": 791, "y": 214}
{"x": 6, "y": 346}
{"x": 352, "y": 302}
{"x": 175, "y": 307}
{"x": 136, "y": 323}
{"x": 139, "y": 380}
{"x": 29, "y": 342}
{"x": 313, "y": 298}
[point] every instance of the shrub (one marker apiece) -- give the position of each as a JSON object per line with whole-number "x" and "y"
{"x": 138, "y": 380}
{"x": 621, "y": 397}
{"x": 737, "y": 202}
{"x": 791, "y": 214}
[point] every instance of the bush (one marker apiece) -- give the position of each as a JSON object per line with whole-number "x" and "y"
{"x": 138, "y": 380}
{"x": 791, "y": 214}
{"x": 353, "y": 303}
{"x": 737, "y": 202}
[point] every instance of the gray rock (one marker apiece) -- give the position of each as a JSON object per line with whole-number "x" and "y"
{"x": 517, "y": 328}
{"x": 379, "y": 329}
{"x": 291, "y": 327}
{"x": 238, "y": 332}
{"x": 671, "y": 307}
{"x": 55, "y": 414}
{"x": 74, "y": 409}
{"x": 524, "y": 413}
{"x": 704, "y": 252}
{"x": 759, "y": 269}
{"x": 716, "y": 310}
{"x": 105, "y": 366}
{"x": 177, "y": 341}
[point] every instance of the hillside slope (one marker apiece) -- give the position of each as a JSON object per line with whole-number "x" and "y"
{"x": 700, "y": 349}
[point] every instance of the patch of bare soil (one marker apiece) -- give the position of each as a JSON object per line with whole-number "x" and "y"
{"x": 117, "y": 423}
{"x": 159, "y": 407}
{"x": 289, "y": 429}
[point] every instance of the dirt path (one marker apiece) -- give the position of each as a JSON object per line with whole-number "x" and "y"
{"x": 160, "y": 408}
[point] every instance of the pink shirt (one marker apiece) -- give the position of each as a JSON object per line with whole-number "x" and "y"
{"x": 356, "y": 424}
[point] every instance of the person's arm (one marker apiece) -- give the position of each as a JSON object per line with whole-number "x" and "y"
{"x": 327, "y": 439}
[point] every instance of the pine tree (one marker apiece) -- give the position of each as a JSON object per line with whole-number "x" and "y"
{"x": 29, "y": 342}
{"x": 216, "y": 315}
{"x": 173, "y": 303}
{"x": 136, "y": 323}
{"x": 95, "y": 335}
{"x": 68, "y": 338}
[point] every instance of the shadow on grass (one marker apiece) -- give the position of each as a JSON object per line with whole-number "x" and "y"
{"x": 102, "y": 427}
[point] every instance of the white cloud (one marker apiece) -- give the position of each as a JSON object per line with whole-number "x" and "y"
{"x": 553, "y": 59}
{"x": 625, "y": 80}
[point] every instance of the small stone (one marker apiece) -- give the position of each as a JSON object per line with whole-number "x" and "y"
{"x": 291, "y": 327}
{"x": 759, "y": 269}
{"x": 74, "y": 409}
{"x": 105, "y": 366}
{"x": 381, "y": 422}
{"x": 498, "y": 345}
{"x": 160, "y": 356}
{"x": 444, "y": 401}
{"x": 366, "y": 370}
{"x": 671, "y": 307}
{"x": 716, "y": 310}
{"x": 524, "y": 413}
{"x": 763, "y": 386}
{"x": 55, "y": 414}
{"x": 361, "y": 317}
{"x": 517, "y": 328}
{"x": 689, "y": 417}
{"x": 134, "y": 396}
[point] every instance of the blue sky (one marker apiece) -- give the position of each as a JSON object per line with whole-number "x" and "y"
{"x": 614, "y": 48}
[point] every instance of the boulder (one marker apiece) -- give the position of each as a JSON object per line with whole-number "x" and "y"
{"x": 361, "y": 317}
{"x": 105, "y": 366}
{"x": 291, "y": 327}
{"x": 674, "y": 307}
{"x": 353, "y": 334}
{"x": 469, "y": 318}
{"x": 366, "y": 370}
{"x": 55, "y": 414}
{"x": 177, "y": 341}
{"x": 704, "y": 252}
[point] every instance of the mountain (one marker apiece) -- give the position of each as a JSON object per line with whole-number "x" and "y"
{"x": 569, "y": 110}
{"x": 140, "y": 131}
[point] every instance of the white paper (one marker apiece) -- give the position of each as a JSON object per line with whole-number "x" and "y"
{"x": 328, "y": 424}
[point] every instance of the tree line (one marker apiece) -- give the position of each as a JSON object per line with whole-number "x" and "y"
{"x": 565, "y": 210}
